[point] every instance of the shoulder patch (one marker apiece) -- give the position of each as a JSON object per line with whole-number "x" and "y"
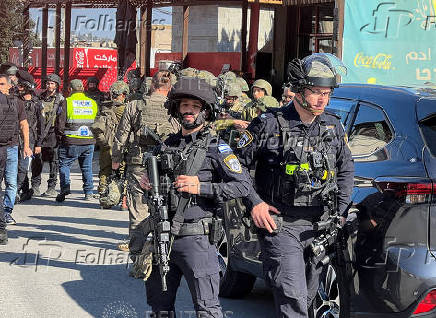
{"x": 245, "y": 140}
{"x": 233, "y": 163}
{"x": 223, "y": 148}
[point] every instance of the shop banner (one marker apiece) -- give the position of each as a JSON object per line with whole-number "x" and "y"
{"x": 390, "y": 42}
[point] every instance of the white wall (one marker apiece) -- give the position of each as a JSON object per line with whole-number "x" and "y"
{"x": 218, "y": 29}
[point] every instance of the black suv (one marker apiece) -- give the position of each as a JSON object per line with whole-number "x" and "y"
{"x": 388, "y": 266}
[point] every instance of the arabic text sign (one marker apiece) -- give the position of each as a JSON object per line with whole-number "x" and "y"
{"x": 95, "y": 58}
{"x": 391, "y": 42}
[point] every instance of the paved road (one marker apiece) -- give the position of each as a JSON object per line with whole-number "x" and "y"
{"x": 61, "y": 261}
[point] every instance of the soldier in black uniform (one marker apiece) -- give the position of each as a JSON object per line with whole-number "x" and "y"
{"x": 300, "y": 151}
{"x": 206, "y": 171}
{"x": 33, "y": 107}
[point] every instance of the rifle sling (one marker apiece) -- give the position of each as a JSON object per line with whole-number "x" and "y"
{"x": 195, "y": 159}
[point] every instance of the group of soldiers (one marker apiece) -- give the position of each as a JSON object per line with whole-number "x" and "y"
{"x": 180, "y": 144}
{"x": 206, "y": 133}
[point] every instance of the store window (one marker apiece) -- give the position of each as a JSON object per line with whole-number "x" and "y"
{"x": 316, "y": 29}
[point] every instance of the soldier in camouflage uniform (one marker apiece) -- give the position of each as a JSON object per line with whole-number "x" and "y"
{"x": 136, "y": 85}
{"x": 229, "y": 120}
{"x": 245, "y": 90}
{"x": 139, "y": 117}
{"x": 261, "y": 91}
{"x": 51, "y": 100}
{"x": 94, "y": 92}
{"x": 256, "y": 107}
{"x": 104, "y": 128}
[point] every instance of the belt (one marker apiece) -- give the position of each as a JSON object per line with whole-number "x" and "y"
{"x": 198, "y": 228}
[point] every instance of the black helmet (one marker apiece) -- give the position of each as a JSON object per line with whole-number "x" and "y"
{"x": 9, "y": 68}
{"x": 318, "y": 69}
{"x": 54, "y": 78}
{"x": 25, "y": 80}
{"x": 196, "y": 88}
{"x": 94, "y": 80}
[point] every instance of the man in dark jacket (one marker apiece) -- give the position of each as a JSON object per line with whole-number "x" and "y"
{"x": 32, "y": 106}
{"x": 14, "y": 116}
{"x": 51, "y": 100}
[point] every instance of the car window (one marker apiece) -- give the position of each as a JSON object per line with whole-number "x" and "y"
{"x": 370, "y": 132}
{"x": 428, "y": 128}
{"x": 341, "y": 108}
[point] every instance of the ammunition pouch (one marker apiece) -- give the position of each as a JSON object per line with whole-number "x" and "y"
{"x": 207, "y": 226}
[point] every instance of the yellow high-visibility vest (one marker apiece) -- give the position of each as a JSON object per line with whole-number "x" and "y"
{"x": 81, "y": 113}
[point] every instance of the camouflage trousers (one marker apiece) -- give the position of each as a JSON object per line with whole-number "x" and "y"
{"x": 105, "y": 161}
{"x": 138, "y": 209}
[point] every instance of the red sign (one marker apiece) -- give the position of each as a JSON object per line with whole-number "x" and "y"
{"x": 84, "y": 63}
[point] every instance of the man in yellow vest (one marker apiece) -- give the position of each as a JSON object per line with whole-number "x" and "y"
{"x": 76, "y": 142}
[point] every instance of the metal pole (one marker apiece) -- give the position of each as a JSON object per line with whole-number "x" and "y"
{"x": 67, "y": 44}
{"x": 26, "y": 43}
{"x": 185, "y": 34}
{"x": 44, "y": 45}
{"x": 143, "y": 40}
{"x": 148, "y": 37}
{"x": 58, "y": 38}
{"x": 244, "y": 36}
{"x": 254, "y": 34}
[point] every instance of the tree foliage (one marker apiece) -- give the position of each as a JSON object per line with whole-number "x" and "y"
{"x": 12, "y": 26}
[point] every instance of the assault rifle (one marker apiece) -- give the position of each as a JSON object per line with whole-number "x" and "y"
{"x": 330, "y": 228}
{"x": 161, "y": 226}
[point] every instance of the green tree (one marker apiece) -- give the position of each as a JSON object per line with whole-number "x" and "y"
{"x": 12, "y": 26}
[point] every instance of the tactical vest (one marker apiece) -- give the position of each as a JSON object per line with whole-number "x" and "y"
{"x": 8, "y": 118}
{"x": 107, "y": 122}
{"x": 305, "y": 168}
{"x": 153, "y": 119}
{"x": 187, "y": 161}
{"x": 48, "y": 106}
{"x": 81, "y": 113}
{"x": 155, "y": 116}
{"x": 32, "y": 118}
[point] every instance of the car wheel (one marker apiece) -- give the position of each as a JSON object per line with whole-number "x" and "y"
{"x": 332, "y": 299}
{"x": 233, "y": 284}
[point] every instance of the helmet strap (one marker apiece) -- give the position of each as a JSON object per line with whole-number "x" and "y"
{"x": 201, "y": 119}
{"x": 303, "y": 103}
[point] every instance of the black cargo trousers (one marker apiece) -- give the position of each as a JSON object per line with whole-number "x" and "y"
{"x": 195, "y": 258}
{"x": 288, "y": 269}
{"x": 50, "y": 155}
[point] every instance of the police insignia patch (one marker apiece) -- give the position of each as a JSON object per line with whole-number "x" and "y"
{"x": 233, "y": 163}
{"x": 224, "y": 148}
{"x": 245, "y": 140}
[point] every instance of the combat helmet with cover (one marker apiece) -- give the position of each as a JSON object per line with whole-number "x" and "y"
{"x": 208, "y": 77}
{"x": 318, "y": 69}
{"x": 261, "y": 83}
{"x": 189, "y": 72}
{"x": 243, "y": 84}
{"x": 118, "y": 88}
